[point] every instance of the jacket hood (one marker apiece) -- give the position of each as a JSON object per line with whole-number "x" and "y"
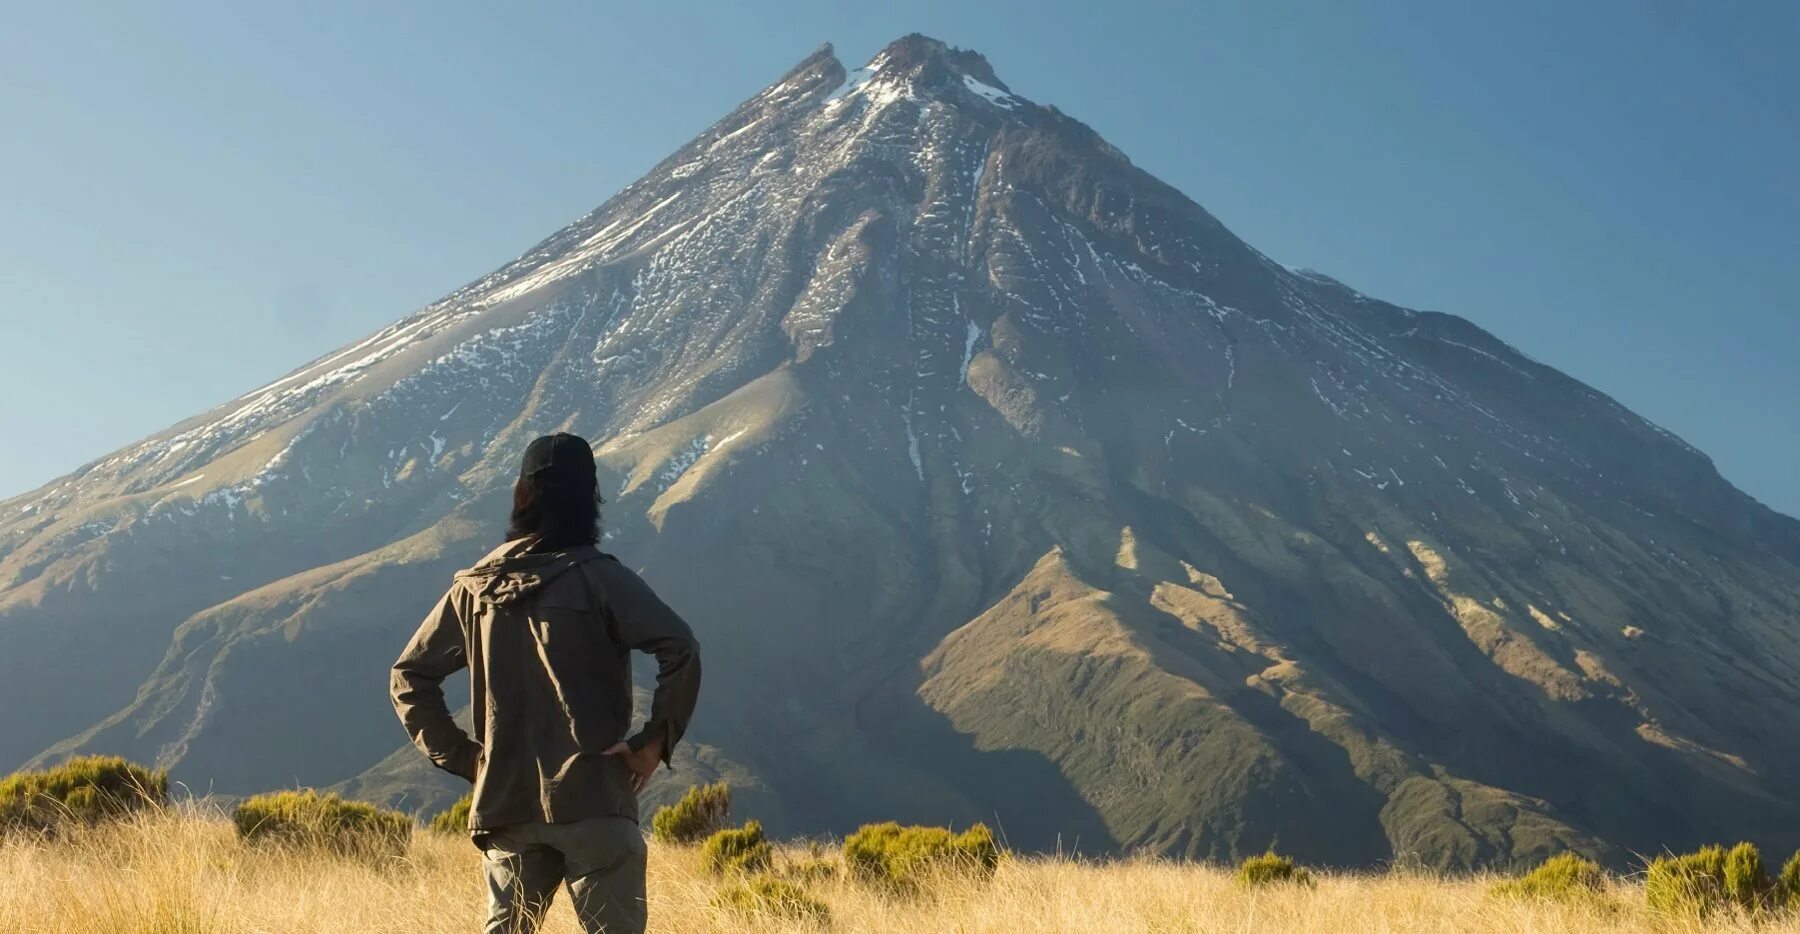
{"x": 511, "y": 573}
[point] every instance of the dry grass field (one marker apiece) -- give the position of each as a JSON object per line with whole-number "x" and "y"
{"x": 183, "y": 869}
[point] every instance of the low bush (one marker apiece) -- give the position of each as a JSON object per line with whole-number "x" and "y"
{"x": 1270, "y": 869}
{"x": 455, "y": 818}
{"x": 899, "y": 856}
{"x": 85, "y": 789}
{"x": 308, "y": 818}
{"x": 1692, "y": 883}
{"x": 766, "y": 895}
{"x": 742, "y": 850}
{"x": 1747, "y": 884}
{"x": 699, "y": 813}
{"x": 1708, "y": 880}
{"x": 1787, "y": 885}
{"x": 1565, "y": 876}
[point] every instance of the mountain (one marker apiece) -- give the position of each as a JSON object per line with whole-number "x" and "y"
{"x": 1001, "y": 482}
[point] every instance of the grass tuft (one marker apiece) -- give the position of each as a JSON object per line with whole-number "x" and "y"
{"x": 809, "y": 870}
{"x": 777, "y": 898}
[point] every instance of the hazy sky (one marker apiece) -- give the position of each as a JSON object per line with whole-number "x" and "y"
{"x": 197, "y": 198}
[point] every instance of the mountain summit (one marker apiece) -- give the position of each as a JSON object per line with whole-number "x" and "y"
{"x": 1001, "y": 481}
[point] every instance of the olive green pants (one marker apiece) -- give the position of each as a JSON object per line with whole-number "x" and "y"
{"x": 601, "y": 859}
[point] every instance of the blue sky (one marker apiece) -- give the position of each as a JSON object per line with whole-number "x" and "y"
{"x": 199, "y": 197}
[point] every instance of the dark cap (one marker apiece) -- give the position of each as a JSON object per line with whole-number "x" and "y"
{"x": 561, "y": 455}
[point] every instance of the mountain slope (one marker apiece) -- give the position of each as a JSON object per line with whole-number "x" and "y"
{"x": 1002, "y": 482}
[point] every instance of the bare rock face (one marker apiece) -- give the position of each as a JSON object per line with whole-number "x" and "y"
{"x": 1002, "y": 482}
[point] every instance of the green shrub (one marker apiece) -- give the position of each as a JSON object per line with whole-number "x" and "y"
{"x": 1693, "y": 883}
{"x": 1563, "y": 876}
{"x": 455, "y": 818}
{"x": 1787, "y": 885}
{"x": 308, "y": 818}
{"x": 697, "y": 815}
{"x": 1746, "y": 882}
{"x": 85, "y": 789}
{"x": 1270, "y": 869}
{"x": 899, "y": 856}
{"x": 744, "y": 850}
{"x": 767, "y": 895}
{"x": 1707, "y": 880}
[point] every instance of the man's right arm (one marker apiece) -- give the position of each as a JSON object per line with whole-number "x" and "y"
{"x": 416, "y": 685}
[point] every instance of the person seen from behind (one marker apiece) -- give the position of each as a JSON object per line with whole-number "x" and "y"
{"x": 546, "y": 624}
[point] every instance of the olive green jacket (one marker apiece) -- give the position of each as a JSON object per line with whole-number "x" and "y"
{"x": 547, "y": 640}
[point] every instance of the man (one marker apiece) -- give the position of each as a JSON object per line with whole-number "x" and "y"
{"x": 546, "y": 624}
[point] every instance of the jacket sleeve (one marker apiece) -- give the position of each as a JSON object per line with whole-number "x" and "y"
{"x": 640, "y": 620}
{"x": 416, "y": 685}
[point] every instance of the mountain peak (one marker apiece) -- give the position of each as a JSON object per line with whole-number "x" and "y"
{"x": 931, "y": 59}
{"x": 917, "y": 66}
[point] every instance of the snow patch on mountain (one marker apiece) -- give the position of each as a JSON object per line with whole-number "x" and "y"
{"x": 991, "y": 94}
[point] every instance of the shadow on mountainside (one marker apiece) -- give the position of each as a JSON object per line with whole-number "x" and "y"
{"x": 1024, "y": 796}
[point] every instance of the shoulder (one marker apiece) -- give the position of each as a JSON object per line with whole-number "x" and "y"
{"x": 589, "y": 556}
{"x": 616, "y": 581}
{"x": 605, "y": 565}
{"x": 601, "y": 566}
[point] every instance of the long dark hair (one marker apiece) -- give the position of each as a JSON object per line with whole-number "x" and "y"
{"x": 561, "y": 510}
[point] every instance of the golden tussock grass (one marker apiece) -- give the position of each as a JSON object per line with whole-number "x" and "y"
{"x": 183, "y": 870}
